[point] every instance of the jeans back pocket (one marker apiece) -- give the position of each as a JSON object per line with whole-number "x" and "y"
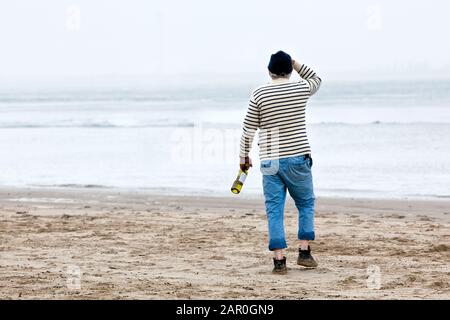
{"x": 270, "y": 167}
{"x": 300, "y": 169}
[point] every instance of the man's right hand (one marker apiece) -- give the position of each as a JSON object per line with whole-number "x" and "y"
{"x": 296, "y": 65}
{"x": 245, "y": 163}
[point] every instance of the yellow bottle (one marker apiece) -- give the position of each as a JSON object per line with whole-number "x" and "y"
{"x": 239, "y": 182}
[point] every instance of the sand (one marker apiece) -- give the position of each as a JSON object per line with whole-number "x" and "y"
{"x": 137, "y": 245}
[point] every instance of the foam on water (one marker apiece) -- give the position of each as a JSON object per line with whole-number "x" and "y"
{"x": 376, "y": 139}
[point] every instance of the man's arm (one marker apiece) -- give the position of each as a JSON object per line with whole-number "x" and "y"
{"x": 309, "y": 75}
{"x": 251, "y": 124}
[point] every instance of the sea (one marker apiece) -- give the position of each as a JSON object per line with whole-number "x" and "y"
{"x": 369, "y": 139}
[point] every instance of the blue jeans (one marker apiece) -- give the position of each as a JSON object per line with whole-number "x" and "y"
{"x": 293, "y": 174}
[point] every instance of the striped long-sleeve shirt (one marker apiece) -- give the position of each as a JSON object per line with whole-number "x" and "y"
{"x": 278, "y": 110}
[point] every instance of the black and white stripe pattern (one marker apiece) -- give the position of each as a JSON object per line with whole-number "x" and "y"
{"x": 278, "y": 110}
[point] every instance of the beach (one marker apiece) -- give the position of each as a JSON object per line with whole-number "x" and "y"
{"x": 123, "y": 127}
{"x": 125, "y": 244}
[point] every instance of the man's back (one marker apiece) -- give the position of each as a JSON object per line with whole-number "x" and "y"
{"x": 278, "y": 110}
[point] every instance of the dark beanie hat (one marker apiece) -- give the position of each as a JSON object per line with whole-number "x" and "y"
{"x": 280, "y": 63}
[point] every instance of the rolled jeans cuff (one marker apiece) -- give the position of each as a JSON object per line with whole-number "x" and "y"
{"x": 277, "y": 244}
{"x": 306, "y": 235}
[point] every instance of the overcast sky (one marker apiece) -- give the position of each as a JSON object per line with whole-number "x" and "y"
{"x": 349, "y": 38}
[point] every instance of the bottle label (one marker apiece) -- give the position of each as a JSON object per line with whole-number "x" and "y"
{"x": 242, "y": 177}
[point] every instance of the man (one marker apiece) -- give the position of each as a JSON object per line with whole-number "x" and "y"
{"x": 278, "y": 110}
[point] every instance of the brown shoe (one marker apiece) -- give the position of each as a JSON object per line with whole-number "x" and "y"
{"x": 305, "y": 258}
{"x": 279, "y": 266}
